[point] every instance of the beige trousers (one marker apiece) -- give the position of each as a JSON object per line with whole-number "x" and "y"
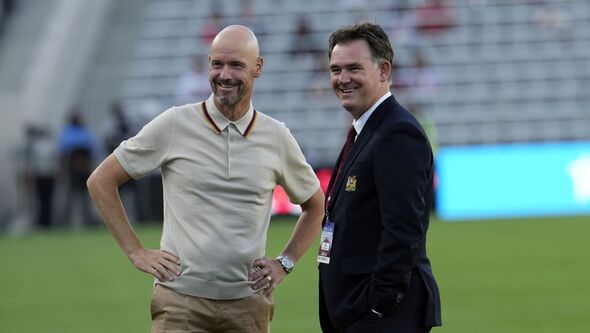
{"x": 174, "y": 312}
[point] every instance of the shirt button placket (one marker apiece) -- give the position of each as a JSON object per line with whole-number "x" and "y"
{"x": 229, "y": 131}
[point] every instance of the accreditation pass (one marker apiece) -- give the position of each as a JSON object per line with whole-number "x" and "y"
{"x": 326, "y": 242}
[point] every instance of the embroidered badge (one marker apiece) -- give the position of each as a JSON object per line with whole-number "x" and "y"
{"x": 351, "y": 184}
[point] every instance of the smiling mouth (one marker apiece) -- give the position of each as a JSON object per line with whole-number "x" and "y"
{"x": 226, "y": 86}
{"x": 347, "y": 90}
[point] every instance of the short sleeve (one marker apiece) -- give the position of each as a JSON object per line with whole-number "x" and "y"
{"x": 297, "y": 177}
{"x": 147, "y": 150}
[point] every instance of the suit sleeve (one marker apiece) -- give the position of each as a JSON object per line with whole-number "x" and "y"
{"x": 403, "y": 170}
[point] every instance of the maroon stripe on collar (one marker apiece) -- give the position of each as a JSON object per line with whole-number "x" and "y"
{"x": 250, "y": 125}
{"x": 210, "y": 120}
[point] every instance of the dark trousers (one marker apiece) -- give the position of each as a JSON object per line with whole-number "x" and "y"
{"x": 407, "y": 318}
{"x": 44, "y": 187}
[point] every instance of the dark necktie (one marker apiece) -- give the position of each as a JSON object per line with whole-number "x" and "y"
{"x": 345, "y": 152}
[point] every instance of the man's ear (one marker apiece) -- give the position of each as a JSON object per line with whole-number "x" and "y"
{"x": 259, "y": 65}
{"x": 384, "y": 71}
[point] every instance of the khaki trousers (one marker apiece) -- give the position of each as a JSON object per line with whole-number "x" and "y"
{"x": 174, "y": 312}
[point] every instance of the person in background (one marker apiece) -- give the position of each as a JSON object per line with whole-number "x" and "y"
{"x": 434, "y": 18}
{"x": 212, "y": 27}
{"x": 374, "y": 272}
{"x": 220, "y": 161}
{"x": 420, "y": 80}
{"x": 77, "y": 147}
{"x": 115, "y": 130}
{"x": 41, "y": 162}
{"x": 117, "y": 127}
{"x": 304, "y": 46}
{"x": 193, "y": 86}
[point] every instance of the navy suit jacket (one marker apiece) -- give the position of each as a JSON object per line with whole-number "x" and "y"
{"x": 379, "y": 242}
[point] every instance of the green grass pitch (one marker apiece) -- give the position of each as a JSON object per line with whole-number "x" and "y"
{"x": 525, "y": 275}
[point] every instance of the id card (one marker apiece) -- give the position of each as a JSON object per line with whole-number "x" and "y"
{"x": 326, "y": 243}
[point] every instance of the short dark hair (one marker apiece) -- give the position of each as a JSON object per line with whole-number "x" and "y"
{"x": 373, "y": 34}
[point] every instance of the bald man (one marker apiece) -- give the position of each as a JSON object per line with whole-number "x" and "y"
{"x": 220, "y": 161}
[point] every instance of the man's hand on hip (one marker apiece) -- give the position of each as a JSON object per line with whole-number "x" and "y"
{"x": 161, "y": 264}
{"x": 267, "y": 274}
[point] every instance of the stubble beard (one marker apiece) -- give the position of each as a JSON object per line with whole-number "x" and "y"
{"x": 228, "y": 101}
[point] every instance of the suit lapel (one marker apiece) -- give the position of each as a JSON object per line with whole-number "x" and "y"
{"x": 360, "y": 142}
{"x": 333, "y": 176}
{"x": 372, "y": 124}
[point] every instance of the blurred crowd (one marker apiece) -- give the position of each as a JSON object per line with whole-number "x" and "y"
{"x": 55, "y": 167}
{"x": 56, "y": 164}
{"x": 409, "y": 26}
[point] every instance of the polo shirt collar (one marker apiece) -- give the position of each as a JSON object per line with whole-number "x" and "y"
{"x": 218, "y": 122}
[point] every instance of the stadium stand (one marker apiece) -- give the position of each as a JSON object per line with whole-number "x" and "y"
{"x": 493, "y": 71}
{"x": 506, "y": 71}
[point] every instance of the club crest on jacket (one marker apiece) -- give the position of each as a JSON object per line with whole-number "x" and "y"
{"x": 351, "y": 184}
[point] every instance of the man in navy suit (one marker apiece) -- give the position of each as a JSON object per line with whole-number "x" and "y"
{"x": 374, "y": 272}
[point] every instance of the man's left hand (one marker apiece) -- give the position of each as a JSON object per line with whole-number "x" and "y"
{"x": 267, "y": 274}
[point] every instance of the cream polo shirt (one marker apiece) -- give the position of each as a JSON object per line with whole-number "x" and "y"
{"x": 218, "y": 178}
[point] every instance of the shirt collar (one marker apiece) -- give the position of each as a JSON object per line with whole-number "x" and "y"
{"x": 360, "y": 123}
{"x": 218, "y": 122}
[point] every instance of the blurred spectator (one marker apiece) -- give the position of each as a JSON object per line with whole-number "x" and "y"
{"x": 400, "y": 23}
{"x": 212, "y": 27}
{"x": 434, "y": 18}
{"x": 40, "y": 173}
{"x": 117, "y": 127}
{"x": 77, "y": 147}
{"x": 549, "y": 16}
{"x": 319, "y": 83}
{"x": 193, "y": 86}
{"x": 427, "y": 123}
{"x": 304, "y": 45}
{"x": 419, "y": 80}
{"x": 397, "y": 84}
{"x": 248, "y": 18}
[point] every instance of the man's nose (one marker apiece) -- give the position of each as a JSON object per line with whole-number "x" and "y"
{"x": 225, "y": 73}
{"x": 343, "y": 78}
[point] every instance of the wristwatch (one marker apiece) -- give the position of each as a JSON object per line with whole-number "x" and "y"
{"x": 286, "y": 263}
